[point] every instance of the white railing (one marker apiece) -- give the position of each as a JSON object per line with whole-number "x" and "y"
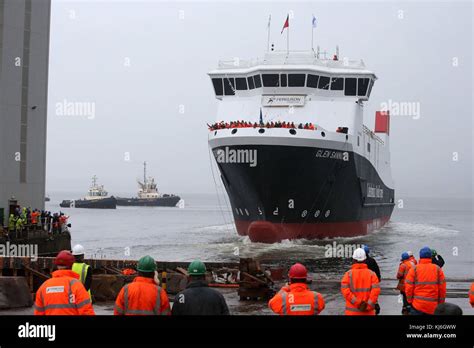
{"x": 295, "y": 57}
{"x": 372, "y": 134}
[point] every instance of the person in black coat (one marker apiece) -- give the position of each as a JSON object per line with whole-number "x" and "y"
{"x": 437, "y": 259}
{"x": 371, "y": 263}
{"x": 198, "y": 298}
{"x": 374, "y": 267}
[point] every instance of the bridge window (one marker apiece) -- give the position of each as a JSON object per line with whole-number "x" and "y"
{"x": 241, "y": 83}
{"x": 217, "y": 83}
{"x": 371, "y": 84}
{"x": 251, "y": 82}
{"x": 337, "y": 83}
{"x": 283, "y": 80}
{"x": 296, "y": 80}
{"x": 351, "y": 84}
{"x": 362, "y": 85}
{"x": 258, "y": 81}
{"x": 271, "y": 80}
{"x": 312, "y": 81}
{"x": 323, "y": 82}
{"x": 229, "y": 86}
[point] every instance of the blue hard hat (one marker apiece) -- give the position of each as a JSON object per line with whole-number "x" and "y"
{"x": 366, "y": 249}
{"x": 405, "y": 256}
{"x": 425, "y": 253}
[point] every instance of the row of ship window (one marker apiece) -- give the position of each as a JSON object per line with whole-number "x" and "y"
{"x": 351, "y": 86}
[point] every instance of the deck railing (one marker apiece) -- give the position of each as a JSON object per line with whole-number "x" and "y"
{"x": 372, "y": 135}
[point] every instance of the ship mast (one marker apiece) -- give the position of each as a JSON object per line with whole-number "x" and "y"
{"x": 144, "y": 173}
{"x": 94, "y": 181}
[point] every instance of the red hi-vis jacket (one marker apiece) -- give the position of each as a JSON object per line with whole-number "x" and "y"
{"x": 471, "y": 295}
{"x": 425, "y": 286}
{"x": 297, "y": 299}
{"x": 402, "y": 273}
{"x": 359, "y": 285}
{"x": 142, "y": 297}
{"x": 63, "y": 294}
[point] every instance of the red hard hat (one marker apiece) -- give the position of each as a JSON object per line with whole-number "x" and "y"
{"x": 64, "y": 258}
{"x": 298, "y": 271}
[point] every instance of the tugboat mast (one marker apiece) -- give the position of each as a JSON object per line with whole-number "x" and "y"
{"x": 144, "y": 173}
{"x": 94, "y": 181}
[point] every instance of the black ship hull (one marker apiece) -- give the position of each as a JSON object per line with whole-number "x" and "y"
{"x": 165, "y": 201}
{"x": 66, "y": 204}
{"x": 101, "y": 203}
{"x": 304, "y": 192}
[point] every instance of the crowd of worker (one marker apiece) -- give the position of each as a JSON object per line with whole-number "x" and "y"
{"x": 421, "y": 283}
{"x": 25, "y": 219}
{"x": 246, "y": 124}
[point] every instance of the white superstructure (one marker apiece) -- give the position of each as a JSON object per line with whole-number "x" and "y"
{"x": 301, "y": 88}
{"x": 96, "y": 191}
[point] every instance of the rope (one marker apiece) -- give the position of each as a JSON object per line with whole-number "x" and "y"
{"x": 217, "y": 194}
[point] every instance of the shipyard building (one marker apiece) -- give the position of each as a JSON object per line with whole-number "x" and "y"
{"x": 24, "y": 54}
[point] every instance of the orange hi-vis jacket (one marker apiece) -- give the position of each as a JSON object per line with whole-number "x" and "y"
{"x": 425, "y": 286}
{"x": 34, "y": 217}
{"x": 297, "y": 299}
{"x": 413, "y": 259}
{"x": 359, "y": 285}
{"x": 471, "y": 295}
{"x": 63, "y": 294}
{"x": 142, "y": 297}
{"x": 402, "y": 273}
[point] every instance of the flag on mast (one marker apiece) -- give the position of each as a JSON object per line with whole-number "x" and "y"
{"x": 314, "y": 22}
{"x": 287, "y": 24}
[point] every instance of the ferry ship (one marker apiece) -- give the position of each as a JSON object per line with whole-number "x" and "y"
{"x": 148, "y": 195}
{"x": 292, "y": 149}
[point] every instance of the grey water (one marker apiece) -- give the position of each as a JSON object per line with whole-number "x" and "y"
{"x": 204, "y": 229}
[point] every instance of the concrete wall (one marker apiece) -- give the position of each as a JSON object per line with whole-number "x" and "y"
{"x": 24, "y": 54}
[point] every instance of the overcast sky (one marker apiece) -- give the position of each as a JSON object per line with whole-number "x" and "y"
{"x": 140, "y": 63}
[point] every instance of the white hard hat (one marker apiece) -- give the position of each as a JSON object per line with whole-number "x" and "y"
{"x": 410, "y": 253}
{"x": 78, "y": 250}
{"x": 359, "y": 254}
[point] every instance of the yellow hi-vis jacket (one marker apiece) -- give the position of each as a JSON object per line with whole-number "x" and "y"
{"x": 81, "y": 268}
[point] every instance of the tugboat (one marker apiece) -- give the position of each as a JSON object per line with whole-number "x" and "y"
{"x": 148, "y": 195}
{"x": 66, "y": 203}
{"x": 97, "y": 198}
{"x": 320, "y": 172}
